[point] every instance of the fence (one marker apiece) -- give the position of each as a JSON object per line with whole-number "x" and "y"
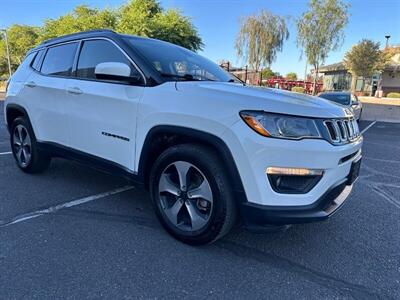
{"x": 251, "y": 77}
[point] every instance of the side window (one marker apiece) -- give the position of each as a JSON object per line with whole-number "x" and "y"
{"x": 99, "y": 51}
{"x": 59, "y": 60}
{"x": 27, "y": 61}
{"x": 37, "y": 62}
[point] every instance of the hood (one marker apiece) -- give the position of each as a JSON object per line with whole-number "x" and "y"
{"x": 266, "y": 99}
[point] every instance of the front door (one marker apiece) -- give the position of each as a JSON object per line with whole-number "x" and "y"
{"x": 101, "y": 113}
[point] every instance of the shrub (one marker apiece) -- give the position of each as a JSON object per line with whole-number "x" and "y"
{"x": 3, "y": 86}
{"x": 393, "y": 95}
{"x": 298, "y": 89}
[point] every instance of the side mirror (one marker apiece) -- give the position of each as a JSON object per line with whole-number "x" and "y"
{"x": 115, "y": 71}
{"x": 354, "y": 100}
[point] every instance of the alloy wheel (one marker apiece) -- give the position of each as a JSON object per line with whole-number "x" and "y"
{"x": 185, "y": 196}
{"x": 22, "y": 145}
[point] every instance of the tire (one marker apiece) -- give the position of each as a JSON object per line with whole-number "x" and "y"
{"x": 24, "y": 147}
{"x": 205, "y": 210}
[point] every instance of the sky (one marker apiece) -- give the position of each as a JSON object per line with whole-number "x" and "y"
{"x": 217, "y": 22}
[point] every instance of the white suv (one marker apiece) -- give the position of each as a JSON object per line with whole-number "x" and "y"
{"x": 212, "y": 151}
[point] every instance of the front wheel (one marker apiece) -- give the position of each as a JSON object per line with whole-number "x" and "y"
{"x": 192, "y": 195}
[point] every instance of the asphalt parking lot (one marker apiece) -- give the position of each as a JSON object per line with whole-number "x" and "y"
{"x": 106, "y": 243}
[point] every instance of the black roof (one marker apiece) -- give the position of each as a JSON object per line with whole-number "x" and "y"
{"x": 75, "y": 36}
{"x": 87, "y": 34}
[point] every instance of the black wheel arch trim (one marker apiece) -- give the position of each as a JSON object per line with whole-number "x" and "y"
{"x": 197, "y": 136}
{"x": 19, "y": 108}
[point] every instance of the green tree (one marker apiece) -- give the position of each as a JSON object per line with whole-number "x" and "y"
{"x": 291, "y": 76}
{"x": 364, "y": 59}
{"x": 260, "y": 38}
{"x": 148, "y": 18}
{"x": 267, "y": 73}
{"x": 175, "y": 28}
{"x": 20, "y": 38}
{"x": 80, "y": 19}
{"x": 320, "y": 30}
{"x": 139, "y": 17}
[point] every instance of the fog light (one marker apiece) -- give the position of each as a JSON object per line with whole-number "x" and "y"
{"x": 293, "y": 180}
{"x": 294, "y": 171}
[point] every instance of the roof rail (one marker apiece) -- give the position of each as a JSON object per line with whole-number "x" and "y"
{"x": 77, "y": 34}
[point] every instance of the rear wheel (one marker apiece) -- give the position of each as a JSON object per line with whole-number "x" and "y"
{"x": 192, "y": 195}
{"x": 24, "y": 147}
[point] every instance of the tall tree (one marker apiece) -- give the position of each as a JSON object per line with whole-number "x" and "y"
{"x": 137, "y": 17}
{"x": 140, "y": 17}
{"x": 148, "y": 18}
{"x": 80, "y": 19}
{"x": 320, "y": 31}
{"x": 260, "y": 38}
{"x": 20, "y": 38}
{"x": 364, "y": 59}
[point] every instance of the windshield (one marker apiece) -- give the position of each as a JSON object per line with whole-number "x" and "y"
{"x": 343, "y": 99}
{"x": 177, "y": 63}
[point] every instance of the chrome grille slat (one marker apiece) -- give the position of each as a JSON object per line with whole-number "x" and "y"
{"x": 341, "y": 131}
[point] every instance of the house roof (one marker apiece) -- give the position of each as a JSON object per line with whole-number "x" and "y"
{"x": 333, "y": 67}
{"x": 392, "y": 66}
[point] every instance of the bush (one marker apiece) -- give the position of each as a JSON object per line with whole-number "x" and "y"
{"x": 3, "y": 86}
{"x": 393, "y": 95}
{"x": 298, "y": 89}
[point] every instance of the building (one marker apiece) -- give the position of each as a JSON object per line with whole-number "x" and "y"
{"x": 337, "y": 77}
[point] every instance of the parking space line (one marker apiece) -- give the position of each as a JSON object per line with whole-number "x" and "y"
{"x": 382, "y": 144}
{"x": 53, "y": 209}
{"x": 382, "y": 160}
{"x": 5, "y": 153}
{"x": 368, "y": 127}
{"x": 377, "y": 189}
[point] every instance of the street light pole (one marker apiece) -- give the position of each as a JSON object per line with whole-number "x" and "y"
{"x": 8, "y": 51}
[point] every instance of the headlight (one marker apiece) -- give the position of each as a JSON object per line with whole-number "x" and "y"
{"x": 281, "y": 126}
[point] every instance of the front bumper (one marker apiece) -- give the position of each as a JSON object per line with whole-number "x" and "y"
{"x": 264, "y": 204}
{"x": 255, "y": 215}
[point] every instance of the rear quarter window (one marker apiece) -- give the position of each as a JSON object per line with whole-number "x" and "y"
{"x": 27, "y": 61}
{"x": 37, "y": 62}
{"x": 59, "y": 60}
{"x": 23, "y": 70}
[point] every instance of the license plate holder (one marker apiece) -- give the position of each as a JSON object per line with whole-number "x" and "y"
{"x": 354, "y": 171}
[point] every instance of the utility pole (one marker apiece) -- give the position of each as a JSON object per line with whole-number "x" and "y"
{"x": 8, "y": 51}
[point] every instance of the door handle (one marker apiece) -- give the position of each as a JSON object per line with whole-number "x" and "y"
{"x": 74, "y": 90}
{"x": 30, "y": 84}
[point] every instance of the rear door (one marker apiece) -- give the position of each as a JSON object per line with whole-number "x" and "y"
{"x": 101, "y": 113}
{"x": 47, "y": 93}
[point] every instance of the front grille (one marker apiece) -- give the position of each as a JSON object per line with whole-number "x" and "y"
{"x": 342, "y": 131}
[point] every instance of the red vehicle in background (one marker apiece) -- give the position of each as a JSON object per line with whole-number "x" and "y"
{"x": 284, "y": 84}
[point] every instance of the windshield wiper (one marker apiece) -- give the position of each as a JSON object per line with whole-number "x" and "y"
{"x": 188, "y": 77}
{"x": 185, "y": 76}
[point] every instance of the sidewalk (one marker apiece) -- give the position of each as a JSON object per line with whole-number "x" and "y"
{"x": 381, "y": 101}
{"x": 380, "y": 109}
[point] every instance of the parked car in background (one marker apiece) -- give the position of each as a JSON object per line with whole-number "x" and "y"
{"x": 345, "y": 98}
